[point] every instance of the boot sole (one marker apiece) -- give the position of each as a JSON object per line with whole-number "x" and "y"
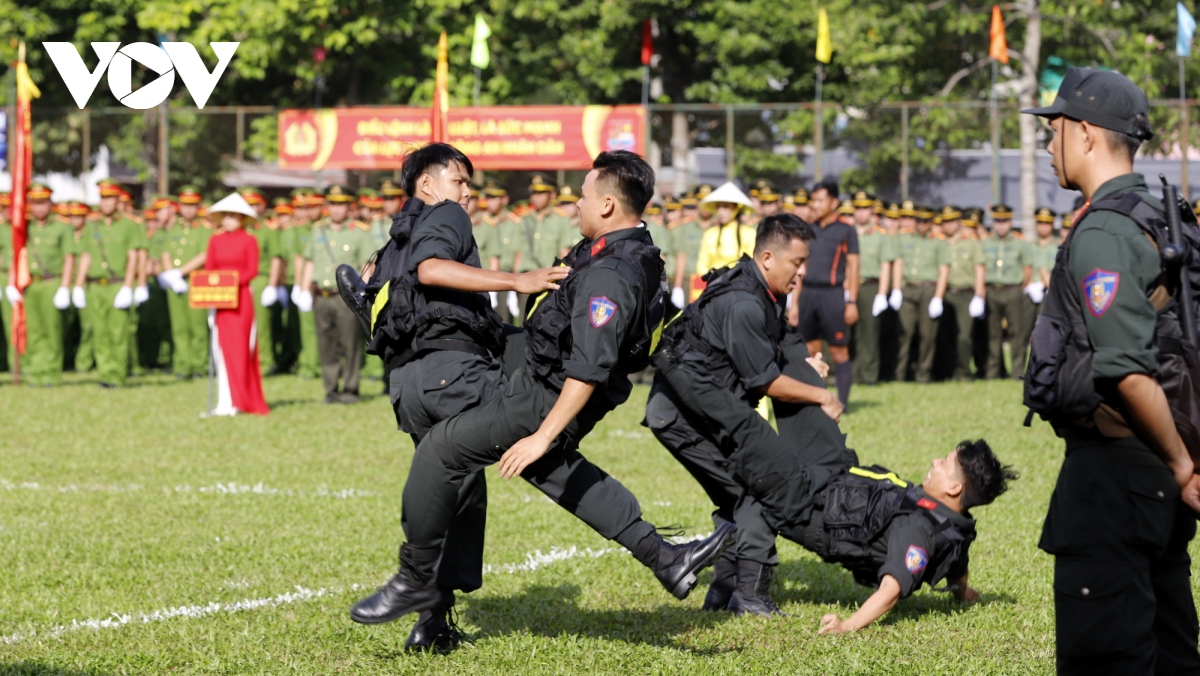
{"x": 394, "y": 615}
{"x": 688, "y": 582}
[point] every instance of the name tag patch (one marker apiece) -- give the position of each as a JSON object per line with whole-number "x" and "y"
{"x": 1099, "y": 289}
{"x": 915, "y": 559}
{"x": 602, "y": 311}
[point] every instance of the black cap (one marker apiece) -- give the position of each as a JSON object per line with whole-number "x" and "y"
{"x": 1101, "y": 97}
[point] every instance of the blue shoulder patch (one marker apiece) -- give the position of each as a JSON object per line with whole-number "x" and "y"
{"x": 602, "y": 310}
{"x": 1099, "y": 290}
{"x": 915, "y": 559}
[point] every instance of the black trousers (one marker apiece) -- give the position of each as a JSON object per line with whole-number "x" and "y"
{"x": 1122, "y": 592}
{"x": 425, "y": 391}
{"x": 456, "y": 448}
{"x": 763, "y": 480}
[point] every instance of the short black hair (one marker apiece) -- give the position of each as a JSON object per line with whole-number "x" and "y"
{"x": 778, "y": 231}
{"x": 1120, "y": 142}
{"x": 983, "y": 475}
{"x": 829, "y": 185}
{"x": 426, "y": 159}
{"x": 629, "y": 176}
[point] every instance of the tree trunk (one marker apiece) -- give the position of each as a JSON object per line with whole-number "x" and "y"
{"x": 680, "y": 139}
{"x": 1028, "y": 99}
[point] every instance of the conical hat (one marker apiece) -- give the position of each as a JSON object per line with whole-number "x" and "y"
{"x": 233, "y": 204}
{"x": 728, "y": 193}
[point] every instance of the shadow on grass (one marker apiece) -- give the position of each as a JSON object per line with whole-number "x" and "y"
{"x": 815, "y": 582}
{"x": 554, "y": 611}
{"x": 34, "y": 669}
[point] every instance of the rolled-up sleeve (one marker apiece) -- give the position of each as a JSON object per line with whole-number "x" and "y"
{"x": 445, "y": 234}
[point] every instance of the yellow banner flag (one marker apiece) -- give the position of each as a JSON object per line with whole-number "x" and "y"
{"x": 824, "y": 41}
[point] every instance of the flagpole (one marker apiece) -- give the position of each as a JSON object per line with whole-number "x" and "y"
{"x": 818, "y": 135}
{"x": 645, "y": 85}
{"x": 1183, "y": 169}
{"x": 995, "y": 135}
{"x": 476, "y": 86}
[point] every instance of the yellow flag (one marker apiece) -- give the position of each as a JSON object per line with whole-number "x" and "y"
{"x": 824, "y": 42}
{"x": 26, "y": 89}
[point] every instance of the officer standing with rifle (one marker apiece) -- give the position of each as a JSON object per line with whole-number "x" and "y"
{"x": 1118, "y": 523}
{"x": 584, "y": 339}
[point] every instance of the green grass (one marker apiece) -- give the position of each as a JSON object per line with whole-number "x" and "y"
{"x": 124, "y": 503}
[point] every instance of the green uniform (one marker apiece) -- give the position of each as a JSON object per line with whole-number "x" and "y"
{"x": 1043, "y": 256}
{"x": 78, "y": 328}
{"x": 1008, "y": 260}
{"x": 6, "y": 255}
{"x": 922, "y": 255}
{"x": 966, "y": 254}
{"x": 266, "y": 319}
{"x": 661, "y": 235}
{"x": 154, "y": 340}
{"x": 497, "y": 237}
{"x": 308, "y": 363}
{"x": 338, "y": 336}
{"x": 49, "y": 244}
{"x": 109, "y": 240}
{"x": 182, "y": 242}
{"x": 875, "y": 248}
{"x": 686, "y": 238}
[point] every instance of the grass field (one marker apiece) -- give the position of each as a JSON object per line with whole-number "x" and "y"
{"x": 137, "y": 538}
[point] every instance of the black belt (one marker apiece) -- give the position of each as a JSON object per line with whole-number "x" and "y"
{"x": 1004, "y": 286}
{"x": 105, "y": 281}
{"x": 920, "y": 284}
{"x": 872, "y": 280}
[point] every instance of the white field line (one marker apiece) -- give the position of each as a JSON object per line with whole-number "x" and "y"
{"x": 533, "y": 561}
{"x": 219, "y": 488}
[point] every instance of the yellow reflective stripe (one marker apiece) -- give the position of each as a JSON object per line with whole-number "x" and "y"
{"x": 890, "y": 476}
{"x": 542, "y": 296}
{"x": 656, "y": 336}
{"x": 381, "y": 301}
{"x": 764, "y": 408}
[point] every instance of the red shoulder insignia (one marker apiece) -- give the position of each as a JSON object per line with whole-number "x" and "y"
{"x": 599, "y": 245}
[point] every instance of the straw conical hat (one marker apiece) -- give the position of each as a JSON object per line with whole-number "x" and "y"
{"x": 728, "y": 193}
{"x": 233, "y": 204}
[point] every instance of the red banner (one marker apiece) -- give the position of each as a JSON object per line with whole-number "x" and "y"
{"x": 498, "y": 137}
{"x": 213, "y": 289}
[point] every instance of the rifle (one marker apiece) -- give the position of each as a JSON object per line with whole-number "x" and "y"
{"x": 1176, "y": 255}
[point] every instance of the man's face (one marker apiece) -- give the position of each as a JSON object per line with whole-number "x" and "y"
{"x": 823, "y": 204}
{"x": 1066, "y": 147}
{"x": 494, "y": 205}
{"x": 1002, "y": 228}
{"x": 188, "y": 211}
{"x": 165, "y": 215}
{"x": 108, "y": 205}
{"x": 284, "y": 220}
{"x": 908, "y": 222}
{"x": 891, "y": 224}
{"x": 769, "y": 209}
{"x": 804, "y": 212}
{"x": 1043, "y": 229}
{"x": 592, "y": 206}
{"x": 338, "y": 211}
{"x": 571, "y": 209}
{"x": 40, "y": 209}
{"x": 391, "y": 205}
{"x": 863, "y": 215}
{"x": 260, "y": 208}
{"x": 539, "y": 200}
{"x": 950, "y": 228}
{"x": 77, "y": 222}
{"x": 784, "y": 268}
{"x": 451, "y": 182}
{"x": 923, "y": 226}
{"x": 945, "y": 475}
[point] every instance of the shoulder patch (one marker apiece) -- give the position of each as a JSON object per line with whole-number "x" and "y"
{"x": 1099, "y": 290}
{"x": 915, "y": 559}
{"x": 602, "y": 310}
{"x": 599, "y": 245}
{"x": 926, "y": 503}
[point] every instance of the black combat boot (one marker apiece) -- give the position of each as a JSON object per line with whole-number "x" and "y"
{"x": 753, "y": 592}
{"x": 436, "y": 629}
{"x": 409, "y": 591}
{"x": 724, "y": 580}
{"x": 676, "y": 566}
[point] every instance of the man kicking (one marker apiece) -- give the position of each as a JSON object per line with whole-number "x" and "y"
{"x": 729, "y": 350}
{"x": 583, "y": 341}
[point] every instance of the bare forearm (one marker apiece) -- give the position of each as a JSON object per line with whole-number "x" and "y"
{"x": 275, "y": 274}
{"x": 791, "y": 390}
{"x": 455, "y": 275}
{"x": 194, "y": 264}
{"x": 852, "y": 278}
{"x": 897, "y": 273}
{"x": 885, "y": 277}
{"x": 574, "y": 396}
{"x": 85, "y": 261}
{"x": 298, "y": 270}
{"x": 306, "y": 278}
{"x": 883, "y": 600}
{"x": 680, "y": 269}
{"x": 131, "y": 267}
{"x": 1026, "y": 275}
{"x": 980, "y": 281}
{"x": 943, "y": 279}
{"x": 68, "y": 264}
{"x": 1150, "y": 416}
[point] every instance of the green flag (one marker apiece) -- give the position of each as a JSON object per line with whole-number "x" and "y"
{"x": 480, "y": 57}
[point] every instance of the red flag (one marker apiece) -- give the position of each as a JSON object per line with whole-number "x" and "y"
{"x": 21, "y": 170}
{"x": 998, "y": 48}
{"x": 647, "y": 43}
{"x": 441, "y": 91}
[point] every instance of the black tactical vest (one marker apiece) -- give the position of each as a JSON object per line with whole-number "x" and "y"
{"x": 685, "y": 334}
{"x": 1060, "y": 380}
{"x": 548, "y": 318}
{"x": 400, "y": 312}
{"x": 859, "y": 506}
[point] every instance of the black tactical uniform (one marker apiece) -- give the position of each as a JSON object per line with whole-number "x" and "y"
{"x": 1116, "y": 526}
{"x": 597, "y": 328}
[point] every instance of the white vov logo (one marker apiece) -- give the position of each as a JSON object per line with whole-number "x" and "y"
{"x": 166, "y": 60}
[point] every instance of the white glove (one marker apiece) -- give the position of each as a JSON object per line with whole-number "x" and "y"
{"x": 1036, "y": 292}
{"x": 296, "y": 293}
{"x": 513, "y": 307}
{"x": 141, "y": 294}
{"x": 976, "y": 307}
{"x": 179, "y": 286}
{"x": 269, "y": 296}
{"x": 78, "y": 297}
{"x": 935, "y": 308}
{"x": 124, "y": 298}
{"x": 281, "y": 293}
{"x": 172, "y": 279}
{"x": 895, "y": 299}
{"x": 13, "y": 295}
{"x": 62, "y": 298}
{"x": 878, "y": 305}
{"x": 495, "y": 298}
{"x": 304, "y": 302}
{"x": 678, "y": 298}
{"x": 164, "y": 280}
